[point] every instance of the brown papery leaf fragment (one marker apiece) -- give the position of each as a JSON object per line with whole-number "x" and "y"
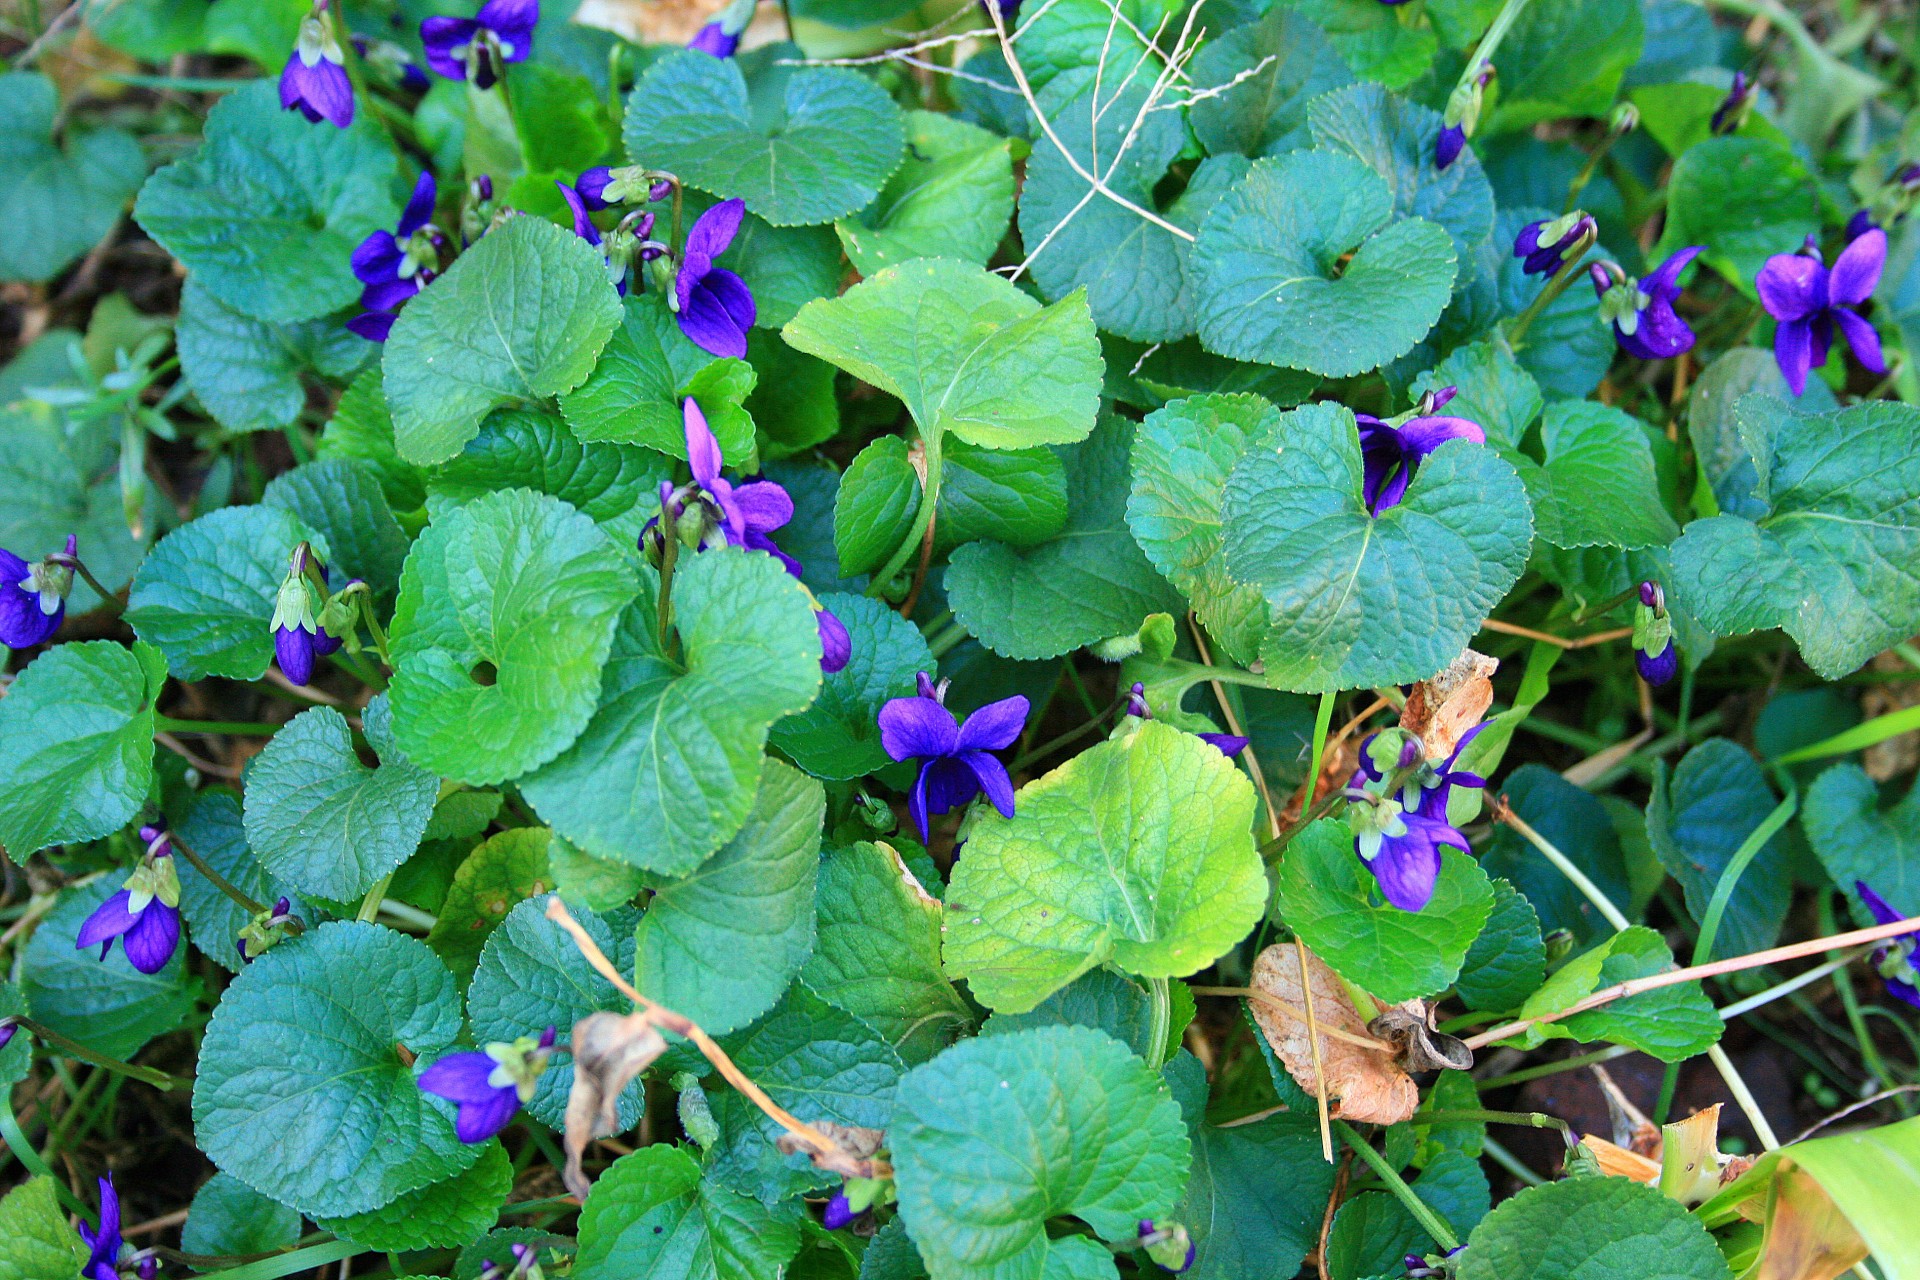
{"x": 854, "y": 1159}
{"x": 1364, "y": 1083}
{"x": 609, "y": 1050}
{"x": 1441, "y": 709}
{"x": 1808, "y": 1238}
{"x": 1409, "y": 1027}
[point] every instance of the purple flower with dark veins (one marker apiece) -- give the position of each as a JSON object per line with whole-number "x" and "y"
{"x": 1227, "y": 744}
{"x": 1399, "y": 818}
{"x": 482, "y": 45}
{"x": 1893, "y": 957}
{"x": 1390, "y": 454}
{"x": 33, "y": 597}
{"x": 315, "y": 78}
{"x": 395, "y": 265}
{"x": 721, "y": 37}
{"x": 955, "y": 764}
{"x": 490, "y": 1084}
{"x": 1641, "y": 312}
{"x": 1809, "y": 302}
{"x": 145, "y": 914}
{"x": 714, "y": 305}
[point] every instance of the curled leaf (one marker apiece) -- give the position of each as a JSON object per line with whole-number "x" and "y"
{"x": 609, "y": 1050}
{"x": 1409, "y": 1028}
{"x": 853, "y": 1157}
{"x": 1364, "y": 1082}
{"x": 1441, "y": 709}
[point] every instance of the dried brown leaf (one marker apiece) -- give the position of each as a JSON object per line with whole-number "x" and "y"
{"x": 1441, "y": 709}
{"x": 1409, "y": 1028}
{"x": 609, "y": 1050}
{"x": 857, "y": 1146}
{"x": 1808, "y": 1238}
{"x": 675, "y": 21}
{"x": 1617, "y": 1162}
{"x": 1364, "y": 1083}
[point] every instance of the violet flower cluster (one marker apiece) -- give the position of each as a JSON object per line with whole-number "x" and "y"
{"x": 1809, "y": 302}
{"x": 956, "y": 760}
{"x": 1399, "y": 818}
{"x": 145, "y": 915}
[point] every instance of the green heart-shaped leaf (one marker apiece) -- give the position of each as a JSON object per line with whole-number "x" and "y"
{"x": 666, "y": 771}
{"x": 506, "y": 612}
{"x": 1598, "y": 486}
{"x": 652, "y": 1213}
{"x": 1357, "y": 600}
{"x": 1304, "y": 264}
{"x": 951, "y": 198}
{"x": 1697, "y": 821}
{"x": 838, "y": 737}
{"x": 247, "y": 371}
{"x": 801, "y": 147}
{"x": 441, "y": 1215}
{"x": 1591, "y": 1227}
{"x": 1858, "y": 840}
{"x": 1047, "y": 894}
{"x": 635, "y": 393}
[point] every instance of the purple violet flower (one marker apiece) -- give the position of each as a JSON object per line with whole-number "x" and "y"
{"x": 621, "y": 246}
{"x": 1893, "y": 957}
{"x": 1169, "y": 1244}
{"x": 500, "y": 33}
{"x": 1448, "y": 146}
{"x": 1653, "y": 652}
{"x": 104, "y": 1244}
{"x": 33, "y": 597}
{"x": 955, "y": 764}
{"x": 145, "y": 915}
{"x": 1809, "y": 302}
{"x": 298, "y": 637}
{"x": 1641, "y": 313}
{"x": 1390, "y": 455}
{"x": 8, "y": 1028}
{"x": 747, "y": 512}
{"x": 591, "y": 187}
{"x": 836, "y": 646}
{"x": 839, "y": 1212}
{"x": 1227, "y": 744}
{"x": 1399, "y": 820}
{"x": 395, "y": 265}
{"x": 714, "y": 305}
{"x": 1732, "y": 111}
{"x": 721, "y": 37}
{"x": 315, "y": 77}
{"x": 490, "y": 1084}
{"x": 1546, "y": 245}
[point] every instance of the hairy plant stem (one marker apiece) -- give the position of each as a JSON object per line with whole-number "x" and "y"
{"x": 1555, "y": 287}
{"x": 74, "y": 1049}
{"x": 218, "y": 881}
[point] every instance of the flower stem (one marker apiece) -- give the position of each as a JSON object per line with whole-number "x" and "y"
{"x": 1483, "y": 52}
{"x": 370, "y": 905}
{"x": 214, "y": 878}
{"x": 1423, "y": 1213}
{"x": 74, "y": 1049}
{"x": 922, "y": 521}
{"x": 1555, "y": 287}
{"x": 669, "y": 553}
{"x": 76, "y": 564}
{"x": 1502, "y": 812}
{"x": 1737, "y": 865}
{"x": 1160, "y": 1026}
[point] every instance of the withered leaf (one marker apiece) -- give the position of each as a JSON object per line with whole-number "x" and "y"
{"x": 853, "y": 1159}
{"x": 609, "y": 1050}
{"x": 1364, "y": 1084}
{"x": 1409, "y": 1028}
{"x": 1441, "y": 709}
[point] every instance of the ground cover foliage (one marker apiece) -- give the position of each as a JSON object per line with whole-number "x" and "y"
{"x": 1050, "y": 640}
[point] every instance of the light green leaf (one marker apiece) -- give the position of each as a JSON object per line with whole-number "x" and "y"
{"x": 616, "y": 485}
{"x": 105, "y": 1004}
{"x": 720, "y": 944}
{"x": 228, "y": 1217}
{"x": 1597, "y": 486}
{"x": 559, "y": 118}
{"x": 213, "y": 829}
{"x": 1083, "y": 33}
{"x": 506, "y": 614}
{"x": 1508, "y": 961}
{"x": 1182, "y": 456}
{"x": 950, "y": 198}
{"x": 1744, "y": 199}
{"x": 808, "y": 145}
{"x": 1045, "y": 895}
{"x": 1833, "y": 560}
{"x": 301, "y": 1091}
{"x": 967, "y": 351}
{"x": 532, "y": 976}
{"x": 1395, "y": 138}
{"x": 1856, "y": 839}
{"x": 35, "y": 1241}
{"x": 441, "y": 1215}
{"x": 1592, "y": 1229}
{"x": 652, "y": 1214}
{"x": 1016, "y": 496}
{"x": 246, "y": 371}
{"x": 838, "y": 737}
{"x": 522, "y": 315}
{"x": 498, "y": 875}
{"x": 1269, "y": 281}
{"x": 362, "y": 431}
{"x": 649, "y": 368}
{"x": 666, "y": 769}
{"x": 818, "y": 1062}
{"x": 1358, "y": 600}
{"x": 205, "y": 596}
{"x": 1135, "y": 272}
{"x": 59, "y": 201}
{"x": 1671, "y": 1023}
{"x": 1566, "y": 60}
{"x": 1373, "y": 39}
{"x": 344, "y": 502}
{"x": 878, "y": 950}
{"x": 63, "y": 477}
{"x": 1491, "y": 389}
{"x": 1091, "y": 582}
{"x": 1001, "y": 1133}
{"x": 1327, "y": 896}
{"x": 1266, "y": 113}
{"x": 1697, "y": 821}
{"x": 267, "y": 213}
{"x": 598, "y": 884}
{"x": 76, "y": 744}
